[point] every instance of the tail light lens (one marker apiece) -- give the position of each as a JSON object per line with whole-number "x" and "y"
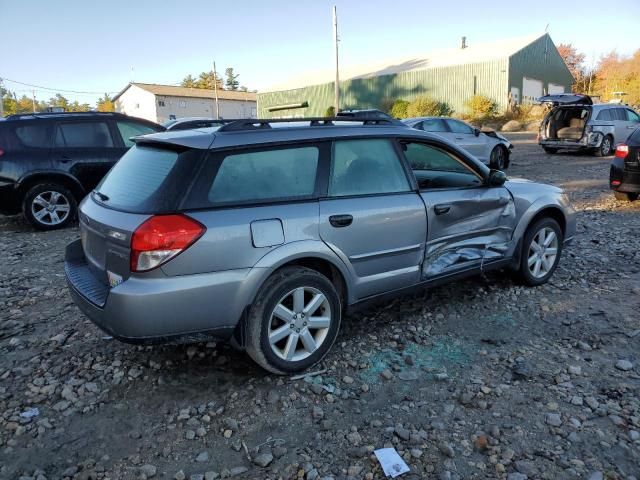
{"x": 622, "y": 151}
{"x": 161, "y": 238}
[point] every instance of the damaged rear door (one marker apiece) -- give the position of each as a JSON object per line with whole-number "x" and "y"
{"x": 469, "y": 223}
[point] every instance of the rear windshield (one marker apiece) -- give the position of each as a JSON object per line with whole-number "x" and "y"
{"x": 147, "y": 180}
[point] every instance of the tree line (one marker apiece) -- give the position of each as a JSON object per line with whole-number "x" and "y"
{"x": 612, "y": 74}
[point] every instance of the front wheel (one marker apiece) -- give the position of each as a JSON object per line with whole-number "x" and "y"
{"x": 625, "y": 197}
{"x": 49, "y": 206}
{"x": 542, "y": 247}
{"x": 498, "y": 158}
{"x": 294, "y": 321}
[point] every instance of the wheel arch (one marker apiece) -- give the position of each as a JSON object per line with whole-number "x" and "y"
{"x": 63, "y": 179}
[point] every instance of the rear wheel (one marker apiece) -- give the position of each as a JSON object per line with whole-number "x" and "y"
{"x": 550, "y": 150}
{"x": 498, "y": 158}
{"x": 606, "y": 147}
{"x": 49, "y": 206}
{"x": 294, "y": 321}
{"x": 625, "y": 197}
{"x": 541, "y": 250}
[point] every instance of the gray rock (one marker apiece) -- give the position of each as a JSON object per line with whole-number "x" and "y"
{"x": 402, "y": 432}
{"x": 231, "y": 424}
{"x": 446, "y": 449}
{"x": 211, "y": 475}
{"x": 203, "y": 457}
{"x": 235, "y": 471}
{"x": 595, "y": 476}
{"x": 148, "y": 470}
{"x": 263, "y": 459}
{"x": 516, "y": 476}
{"x": 624, "y": 365}
{"x": 523, "y": 466}
{"x": 553, "y": 419}
{"x": 179, "y": 475}
{"x": 317, "y": 413}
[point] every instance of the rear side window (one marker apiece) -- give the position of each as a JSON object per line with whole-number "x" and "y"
{"x": 35, "y": 135}
{"x": 133, "y": 129}
{"x": 83, "y": 135}
{"x": 604, "y": 114}
{"x": 147, "y": 180}
{"x": 266, "y": 175}
{"x": 619, "y": 114}
{"x": 366, "y": 167}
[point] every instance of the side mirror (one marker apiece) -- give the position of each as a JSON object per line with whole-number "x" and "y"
{"x": 476, "y": 132}
{"x": 497, "y": 178}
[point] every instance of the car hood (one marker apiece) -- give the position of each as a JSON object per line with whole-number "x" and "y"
{"x": 522, "y": 186}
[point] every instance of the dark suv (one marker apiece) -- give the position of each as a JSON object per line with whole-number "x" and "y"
{"x": 49, "y": 161}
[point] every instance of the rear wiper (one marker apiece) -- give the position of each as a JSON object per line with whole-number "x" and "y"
{"x": 102, "y": 196}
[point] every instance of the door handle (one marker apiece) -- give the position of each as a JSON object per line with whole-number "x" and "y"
{"x": 442, "y": 209}
{"x": 339, "y": 221}
{"x": 459, "y": 138}
{"x": 630, "y": 127}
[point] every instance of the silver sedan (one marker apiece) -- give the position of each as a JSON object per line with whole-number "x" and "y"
{"x": 489, "y": 147}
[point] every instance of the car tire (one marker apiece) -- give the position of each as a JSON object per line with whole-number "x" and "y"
{"x": 625, "y": 196}
{"x": 606, "y": 147}
{"x": 537, "y": 266}
{"x": 498, "y": 158}
{"x": 279, "y": 334}
{"x": 550, "y": 150}
{"x": 49, "y": 206}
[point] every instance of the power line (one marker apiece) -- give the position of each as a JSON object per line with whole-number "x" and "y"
{"x": 55, "y": 89}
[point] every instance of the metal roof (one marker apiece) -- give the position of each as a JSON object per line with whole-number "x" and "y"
{"x": 473, "y": 53}
{"x": 174, "y": 91}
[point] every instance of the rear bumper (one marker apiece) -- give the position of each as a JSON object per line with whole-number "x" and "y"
{"x": 591, "y": 140}
{"x": 622, "y": 179}
{"x": 158, "y": 310}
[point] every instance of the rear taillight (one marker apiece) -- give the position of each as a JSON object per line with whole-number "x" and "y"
{"x": 1, "y": 152}
{"x": 161, "y": 238}
{"x": 622, "y": 151}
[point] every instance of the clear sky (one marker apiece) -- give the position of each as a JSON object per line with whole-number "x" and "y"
{"x": 92, "y": 45}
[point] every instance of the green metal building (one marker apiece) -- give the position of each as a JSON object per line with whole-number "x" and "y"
{"x": 517, "y": 70}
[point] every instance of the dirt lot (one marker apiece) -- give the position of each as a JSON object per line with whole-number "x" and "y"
{"x": 481, "y": 379}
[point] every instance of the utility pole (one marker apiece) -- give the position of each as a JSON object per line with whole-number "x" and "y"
{"x": 1, "y": 100}
{"x": 336, "y": 100}
{"x": 33, "y": 100}
{"x": 215, "y": 89}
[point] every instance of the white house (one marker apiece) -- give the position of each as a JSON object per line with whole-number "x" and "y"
{"x": 160, "y": 103}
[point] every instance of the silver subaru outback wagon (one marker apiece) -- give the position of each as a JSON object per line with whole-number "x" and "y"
{"x": 267, "y": 232}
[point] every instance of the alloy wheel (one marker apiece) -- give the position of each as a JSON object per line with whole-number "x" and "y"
{"x": 543, "y": 252}
{"x": 50, "y": 208}
{"x": 299, "y": 323}
{"x": 606, "y": 146}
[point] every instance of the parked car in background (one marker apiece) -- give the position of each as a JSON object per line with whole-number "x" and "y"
{"x": 188, "y": 123}
{"x": 489, "y": 147}
{"x": 267, "y": 235}
{"x": 575, "y": 123}
{"x": 49, "y": 161}
{"x": 624, "y": 176}
{"x": 369, "y": 114}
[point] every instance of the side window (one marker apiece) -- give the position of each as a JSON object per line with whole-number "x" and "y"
{"x": 83, "y": 135}
{"x": 459, "y": 127}
{"x": 434, "y": 125}
{"x": 363, "y": 167}
{"x": 437, "y": 168}
{"x": 266, "y": 175}
{"x": 604, "y": 114}
{"x": 132, "y": 129}
{"x": 34, "y": 135}
{"x": 632, "y": 116}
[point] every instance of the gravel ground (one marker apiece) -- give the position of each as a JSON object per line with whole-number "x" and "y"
{"x": 480, "y": 379}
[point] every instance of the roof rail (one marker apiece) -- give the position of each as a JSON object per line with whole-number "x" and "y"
{"x": 17, "y": 116}
{"x": 259, "y": 124}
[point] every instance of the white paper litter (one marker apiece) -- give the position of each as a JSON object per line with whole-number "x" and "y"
{"x": 391, "y": 462}
{"x": 30, "y": 413}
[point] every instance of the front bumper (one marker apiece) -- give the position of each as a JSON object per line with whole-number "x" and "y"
{"x": 158, "y": 310}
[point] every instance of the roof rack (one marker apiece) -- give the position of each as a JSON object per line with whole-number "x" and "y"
{"x": 259, "y": 124}
{"x": 18, "y": 116}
